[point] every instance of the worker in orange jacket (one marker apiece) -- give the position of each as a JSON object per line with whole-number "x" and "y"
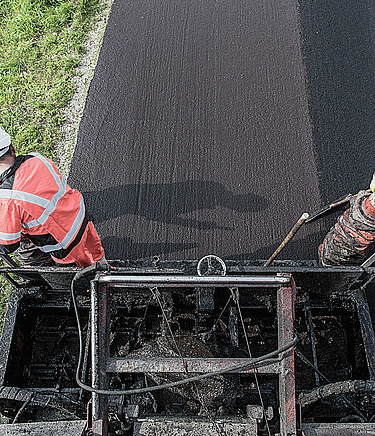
{"x": 352, "y": 239}
{"x": 38, "y": 209}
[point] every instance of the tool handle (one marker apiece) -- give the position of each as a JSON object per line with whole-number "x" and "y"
{"x": 325, "y": 209}
{"x": 339, "y": 202}
{"x": 290, "y": 235}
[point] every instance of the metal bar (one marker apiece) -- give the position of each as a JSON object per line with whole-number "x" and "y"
{"x": 99, "y": 428}
{"x": 367, "y": 330}
{"x": 8, "y": 335}
{"x": 329, "y": 207}
{"x": 10, "y": 280}
{"x": 86, "y": 354}
{"x": 99, "y": 353}
{"x": 369, "y": 261}
{"x": 192, "y": 365}
{"x": 287, "y": 389}
{"x": 233, "y": 326}
{"x": 8, "y": 260}
{"x": 310, "y": 326}
{"x": 188, "y": 281}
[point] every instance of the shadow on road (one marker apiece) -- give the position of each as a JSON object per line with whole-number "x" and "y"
{"x": 169, "y": 202}
{"x": 126, "y": 248}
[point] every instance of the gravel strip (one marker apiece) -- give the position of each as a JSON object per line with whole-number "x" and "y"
{"x": 84, "y": 73}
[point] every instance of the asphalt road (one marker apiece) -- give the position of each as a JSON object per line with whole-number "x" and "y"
{"x": 210, "y": 126}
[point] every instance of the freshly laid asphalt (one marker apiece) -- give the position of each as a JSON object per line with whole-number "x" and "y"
{"x": 210, "y": 126}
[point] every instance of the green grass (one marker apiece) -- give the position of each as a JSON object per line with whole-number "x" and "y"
{"x": 41, "y": 44}
{"x": 4, "y": 297}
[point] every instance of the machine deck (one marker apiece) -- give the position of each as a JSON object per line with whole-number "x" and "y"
{"x": 159, "y": 322}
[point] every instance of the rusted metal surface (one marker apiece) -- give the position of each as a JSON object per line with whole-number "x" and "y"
{"x": 192, "y": 365}
{"x": 367, "y": 329}
{"x": 307, "y": 274}
{"x": 339, "y": 429}
{"x": 310, "y": 327}
{"x": 99, "y": 353}
{"x": 287, "y": 387}
{"x": 9, "y": 336}
{"x": 196, "y": 427}
{"x": 60, "y": 428}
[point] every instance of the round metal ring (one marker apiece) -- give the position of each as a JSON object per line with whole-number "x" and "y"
{"x": 209, "y": 259}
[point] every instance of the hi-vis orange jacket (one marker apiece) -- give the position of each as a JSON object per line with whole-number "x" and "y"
{"x": 35, "y": 200}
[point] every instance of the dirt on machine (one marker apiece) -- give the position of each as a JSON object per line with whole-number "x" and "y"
{"x": 207, "y": 347}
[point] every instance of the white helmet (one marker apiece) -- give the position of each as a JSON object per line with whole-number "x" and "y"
{"x": 5, "y": 141}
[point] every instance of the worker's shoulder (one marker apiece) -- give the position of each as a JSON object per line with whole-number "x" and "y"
{"x": 36, "y": 160}
{"x": 35, "y": 170}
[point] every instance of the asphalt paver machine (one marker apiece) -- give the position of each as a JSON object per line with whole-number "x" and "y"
{"x": 207, "y": 347}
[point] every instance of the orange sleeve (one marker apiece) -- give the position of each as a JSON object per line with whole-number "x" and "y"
{"x": 10, "y": 223}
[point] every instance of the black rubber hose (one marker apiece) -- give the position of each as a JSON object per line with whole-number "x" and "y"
{"x": 343, "y": 387}
{"x": 92, "y": 268}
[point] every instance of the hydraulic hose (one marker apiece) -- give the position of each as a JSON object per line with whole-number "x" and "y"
{"x": 81, "y": 273}
{"x": 343, "y": 387}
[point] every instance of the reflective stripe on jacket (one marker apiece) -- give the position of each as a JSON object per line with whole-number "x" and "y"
{"x": 35, "y": 200}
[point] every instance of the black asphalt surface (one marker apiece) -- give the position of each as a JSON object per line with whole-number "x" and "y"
{"x": 211, "y": 125}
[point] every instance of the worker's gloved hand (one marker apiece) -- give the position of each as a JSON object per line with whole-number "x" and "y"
{"x": 372, "y": 184}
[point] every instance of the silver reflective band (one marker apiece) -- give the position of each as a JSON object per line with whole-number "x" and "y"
{"x": 10, "y": 236}
{"x": 75, "y": 226}
{"x": 24, "y": 196}
{"x": 3, "y": 150}
{"x": 50, "y": 248}
{"x": 30, "y": 224}
{"x": 61, "y": 184}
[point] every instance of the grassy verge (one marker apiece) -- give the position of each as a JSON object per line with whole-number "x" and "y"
{"x": 41, "y": 44}
{"x": 4, "y": 297}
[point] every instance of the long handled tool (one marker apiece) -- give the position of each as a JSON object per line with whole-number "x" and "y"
{"x": 289, "y": 236}
{"x": 331, "y": 207}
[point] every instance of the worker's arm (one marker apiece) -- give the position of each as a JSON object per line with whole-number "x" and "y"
{"x": 350, "y": 240}
{"x": 10, "y": 227}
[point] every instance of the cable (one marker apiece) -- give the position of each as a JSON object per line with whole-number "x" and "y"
{"x": 22, "y": 408}
{"x": 92, "y": 268}
{"x": 251, "y": 363}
